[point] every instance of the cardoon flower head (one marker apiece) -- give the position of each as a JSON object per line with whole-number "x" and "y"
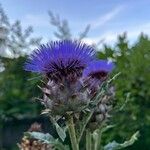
{"x": 96, "y": 72}
{"x": 60, "y": 59}
{"x": 62, "y": 62}
{"x": 98, "y": 69}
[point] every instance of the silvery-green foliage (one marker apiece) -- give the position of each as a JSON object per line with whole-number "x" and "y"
{"x": 60, "y": 131}
{"x": 115, "y": 146}
{"x": 48, "y": 139}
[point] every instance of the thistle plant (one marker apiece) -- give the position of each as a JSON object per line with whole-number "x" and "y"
{"x": 77, "y": 89}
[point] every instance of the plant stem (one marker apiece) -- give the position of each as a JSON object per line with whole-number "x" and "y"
{"x": 72, "y": 133}
{"x": 98, "y": 140}
{"x": 88, "y": 140}
{"x": 85, "y": 124}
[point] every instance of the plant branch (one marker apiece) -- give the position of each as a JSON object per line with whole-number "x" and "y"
{"x": 85, "y": 124}
{"x": 97, "y": 145}
{"x": 88, "y": 140}
{"x": 72, "y": 133}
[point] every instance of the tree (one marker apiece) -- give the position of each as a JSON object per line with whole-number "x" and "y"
{"x": 17, "y": 40}
{"x": 134, "y": 82}
{"x": 15, "y": 95}
{"x": 63, "y": 29}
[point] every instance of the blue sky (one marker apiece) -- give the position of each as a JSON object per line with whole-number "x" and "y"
{"x": 108, "y": 18}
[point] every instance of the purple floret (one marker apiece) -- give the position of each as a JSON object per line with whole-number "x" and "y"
{"x": 60, "y": 58}
{"x": 97, "y": 72}
{"x": 98, "y": 69}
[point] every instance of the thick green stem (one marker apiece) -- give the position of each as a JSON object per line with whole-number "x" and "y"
{"x": 98, "y": 140}
{"x": 72, "y": 133}
{"x": 88, "y": 140}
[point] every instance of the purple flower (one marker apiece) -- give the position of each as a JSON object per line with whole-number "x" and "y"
{"x": 98, "y": 69}
{"x": 96, "y": 73}
{"x": 60, "y": 59}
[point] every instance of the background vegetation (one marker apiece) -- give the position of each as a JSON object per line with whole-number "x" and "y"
{"x": 132, "y": 86}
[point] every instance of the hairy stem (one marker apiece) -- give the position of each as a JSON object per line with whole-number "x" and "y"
{"x": 72, "y": 133}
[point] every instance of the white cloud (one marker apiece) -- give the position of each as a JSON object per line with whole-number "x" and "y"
{"x": 91, "y": 41}
{"x": 106, "y": 17}
{"x": 110, "y": 37}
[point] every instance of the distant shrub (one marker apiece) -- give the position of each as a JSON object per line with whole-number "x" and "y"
{"x": 134, "y": 64}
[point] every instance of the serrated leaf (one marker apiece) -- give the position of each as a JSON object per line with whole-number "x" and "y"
{"x": 115, "y": 146}
{"x": 61, "y": 132}
{"x": 48, "y": 139}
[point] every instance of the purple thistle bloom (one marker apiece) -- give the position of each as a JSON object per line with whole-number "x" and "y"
{"x": 96, "y": 73}
{"x": 98, "y": 69}
{"x": 60, "y": 59}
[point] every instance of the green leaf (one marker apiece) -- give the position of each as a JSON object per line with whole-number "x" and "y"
{"x": 61, "y": 132}
{"x": 47, "y": 138}
{"x": 115, "y": 146}
{"x": 108, "y": 127}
